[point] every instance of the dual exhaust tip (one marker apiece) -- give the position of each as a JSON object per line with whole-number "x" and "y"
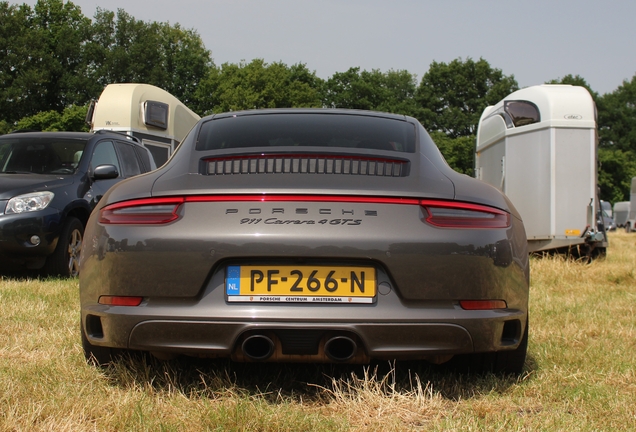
{"x": 260, "y": 347}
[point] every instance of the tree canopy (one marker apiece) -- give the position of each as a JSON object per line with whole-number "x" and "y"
{"x": 257, "y": 84}
{"x": 452, "y": 97}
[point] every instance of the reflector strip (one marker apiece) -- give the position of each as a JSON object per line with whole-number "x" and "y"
{"x": 482, "y": 304}
{"x": 120, "y": 300}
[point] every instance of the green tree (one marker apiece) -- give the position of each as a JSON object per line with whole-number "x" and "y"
{"x": 392, "y": 91}
{"x": 124, "y": 49}
{"x": 70, "y": 119}
{"x": 452, "y": 97}
{"x": 617, "y": 117}
{"x": 42, "y": 63}
{"x": 617, "y": 141}
{"x": 254, "y": 85}
{"x": 459, "y": 152}
{"x": 616, "y": 169}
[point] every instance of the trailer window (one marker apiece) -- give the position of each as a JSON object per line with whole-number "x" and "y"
{"x": 522, "y": 112}
{"x": 156, "y": 114}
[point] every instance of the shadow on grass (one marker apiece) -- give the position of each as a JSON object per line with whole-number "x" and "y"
{"x": 22, "y": 275}
{"x": 214, "y": 378}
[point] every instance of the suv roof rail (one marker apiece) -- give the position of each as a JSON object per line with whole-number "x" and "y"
{"x": 24, "y": 131}
{"x": 130, "y": 137}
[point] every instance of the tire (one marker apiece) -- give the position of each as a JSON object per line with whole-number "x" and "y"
{"x": 500, "y": 362}
{"x": 97, "y": 355}
{"x": 628, "y": 228}
{"x": 65, "y": 259}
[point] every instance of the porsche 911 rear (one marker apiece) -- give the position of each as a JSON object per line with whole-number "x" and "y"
{"x": 307, "y": 235}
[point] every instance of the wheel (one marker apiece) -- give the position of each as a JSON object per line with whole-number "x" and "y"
{"x": 65, "y": 259}
{"x": 500, "y": 362}
{"x": 628, "y": 227}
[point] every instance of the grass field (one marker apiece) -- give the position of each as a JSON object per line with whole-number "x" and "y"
{"x": 580, "y": 372}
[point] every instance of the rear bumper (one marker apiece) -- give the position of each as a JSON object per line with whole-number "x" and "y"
{"x": 384, "y": 330}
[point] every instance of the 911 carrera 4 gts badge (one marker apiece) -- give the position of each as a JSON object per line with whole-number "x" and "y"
{"x": 347, "y": 216}
{"x": 276, "y": 221}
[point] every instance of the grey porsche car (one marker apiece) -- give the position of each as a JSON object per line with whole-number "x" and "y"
{"x": 307, "y": 235}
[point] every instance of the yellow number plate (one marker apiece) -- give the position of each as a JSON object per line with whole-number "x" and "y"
{"x": 310, "y": 284}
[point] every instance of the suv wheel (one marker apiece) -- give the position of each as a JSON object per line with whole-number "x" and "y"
{"x": 65, "y": 259}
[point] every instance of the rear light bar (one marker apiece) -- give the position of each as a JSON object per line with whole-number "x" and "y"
{"x": 443, "y": 214}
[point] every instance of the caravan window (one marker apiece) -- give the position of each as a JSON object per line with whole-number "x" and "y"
{"x": 522, "y": 112}
{"x": 156, "y": 114}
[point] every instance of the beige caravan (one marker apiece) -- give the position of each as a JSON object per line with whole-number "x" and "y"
{"x": 154, "y": 116}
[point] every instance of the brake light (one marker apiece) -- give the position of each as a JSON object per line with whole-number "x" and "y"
{"x": 142, "y": 211}
{"x": 120, "y": 300}
{"x": 482, "y": 304}
{"x": 450, "y": 214}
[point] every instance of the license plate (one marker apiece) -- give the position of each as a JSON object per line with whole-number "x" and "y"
{"x": 300, "y": 284}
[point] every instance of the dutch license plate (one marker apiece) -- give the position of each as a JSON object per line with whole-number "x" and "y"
{"x": 311, "y": 284}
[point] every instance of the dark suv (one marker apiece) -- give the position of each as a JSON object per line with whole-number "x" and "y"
{"x": 49, "y": 184}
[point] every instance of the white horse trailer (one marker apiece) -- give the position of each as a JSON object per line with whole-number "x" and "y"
{"x": 539, "y": 146}
{"x": 154, "y": 116}
{"x": 630, "y": 223}
{"x": 621, "y": 213}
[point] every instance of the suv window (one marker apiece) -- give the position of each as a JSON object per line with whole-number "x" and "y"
{"x": 40, "y": 155}
{"x": 103, "y": 154}
{"x": 129, "y": 159}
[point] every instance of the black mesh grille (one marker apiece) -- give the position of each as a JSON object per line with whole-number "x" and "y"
{"x": 307, "y": 165}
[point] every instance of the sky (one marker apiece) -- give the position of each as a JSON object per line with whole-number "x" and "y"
{"x": 535, "y": 41}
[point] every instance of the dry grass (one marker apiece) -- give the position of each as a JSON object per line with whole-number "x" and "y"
{"x": 580, "y": 374}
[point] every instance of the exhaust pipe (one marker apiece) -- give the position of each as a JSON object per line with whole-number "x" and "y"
{"x": 340, "y": 348}
{"x": 258, "y": 347}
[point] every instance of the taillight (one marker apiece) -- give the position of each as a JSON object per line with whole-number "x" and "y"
{"x": 120, "y": 300}
{"x": 142, "y": 211}
{"x": 482, "y": 304}
{"x": 449, "y": 214}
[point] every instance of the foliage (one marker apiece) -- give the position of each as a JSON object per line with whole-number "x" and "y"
{"x": 459, "y": 152}
{"x": 453, "y": 96}
{"x": 617, "y": 117}
{"x": 71, "y": 119}
{"x": 616, "y": 169}
{"x": 53, "y": 57}
{"x": 254, "y": 85}
{"x": 124, "y": 49}
{"x": 42, "y": 63}
{"x": 392, "y": 91}
{"x": 617, "y": 141}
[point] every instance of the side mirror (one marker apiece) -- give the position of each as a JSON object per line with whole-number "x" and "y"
{"x": 105, "y": 172}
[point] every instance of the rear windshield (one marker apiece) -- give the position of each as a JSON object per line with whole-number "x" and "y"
{"x": 307, "y": 130}
{"x": 40, "y": 155}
